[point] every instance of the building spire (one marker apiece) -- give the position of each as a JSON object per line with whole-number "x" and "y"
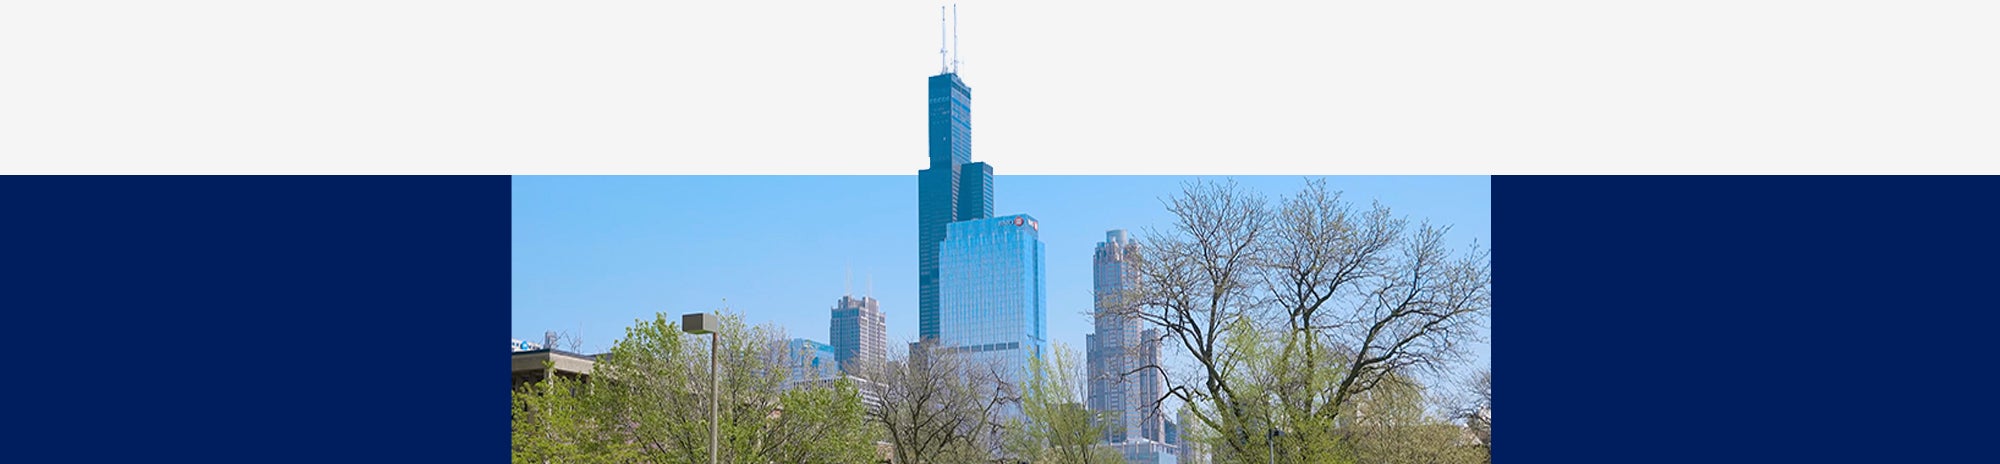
{"x": 955, "y": 61}
{"x": 944, "y": 60}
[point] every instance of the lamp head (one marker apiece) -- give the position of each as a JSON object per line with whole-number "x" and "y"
{"x": 698, "y": 323}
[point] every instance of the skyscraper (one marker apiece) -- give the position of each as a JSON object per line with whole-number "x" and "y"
{"x": 995, "y": 304}
{"x": 1118, "y": 350}
{"x": 952, "y": 188}
{"x": 860, "y": 333}
{"x": 1150, "y": 385}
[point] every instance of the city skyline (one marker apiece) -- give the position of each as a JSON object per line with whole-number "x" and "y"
{"x": 982, "y": 284}
{"x": 593, "y": 253}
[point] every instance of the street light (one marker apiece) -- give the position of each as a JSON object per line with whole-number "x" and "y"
{"x": 704, "y": 323}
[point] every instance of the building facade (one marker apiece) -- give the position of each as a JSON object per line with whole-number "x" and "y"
{"x": 1151, "y": 385}
{"x": 859, "y": 333}
{"x": 810, "y": 361}
{"x": 540, "y": 364}
{"x": 1119, "y": 390}
{"x": 1147, "y": 452}
{"x": 994, "y": 302}
{"x": 1188, "y": 452}
{"x": 951, "y": 189}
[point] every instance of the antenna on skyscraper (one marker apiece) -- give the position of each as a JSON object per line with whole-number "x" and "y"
{"x": 847, "y": 283}
{"x": 871, "y": 287}
{"x": 955, "y": 62}
{"x": 944, "y": 61}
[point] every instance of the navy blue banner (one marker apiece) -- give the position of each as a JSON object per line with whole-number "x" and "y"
{"x": 1744, "y": 319}
{"x": 255, "y": 319}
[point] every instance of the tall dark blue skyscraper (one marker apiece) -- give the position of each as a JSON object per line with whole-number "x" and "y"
{"x": 952, "y": 189}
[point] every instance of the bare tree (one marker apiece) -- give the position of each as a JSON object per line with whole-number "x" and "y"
{"x": 936, "y": 407}
{"x": 1195, "y": 285}
{"x": 1477, "y": 408}
{"x": 572, "y": 342}
{"x": 1356, "y": 297}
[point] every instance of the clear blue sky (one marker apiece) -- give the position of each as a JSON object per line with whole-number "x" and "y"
{"x": 592, "y": 253}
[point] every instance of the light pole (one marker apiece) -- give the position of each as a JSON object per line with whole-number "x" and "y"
{"x": 1273, "y": 440}
{"x": 704, "y": 323}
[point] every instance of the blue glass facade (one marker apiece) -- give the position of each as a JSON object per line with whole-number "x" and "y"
{"x": 951, "y": 121}
{"x": 810, "y": 360}
{"x": 952, "y": 188}
{"x": 994, "y": 301}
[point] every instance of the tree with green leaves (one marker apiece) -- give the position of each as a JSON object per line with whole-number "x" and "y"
{"x": 647, "y": 400}
{"x": 1391, "y": 424}
{"x": 1058, "y": 429}
{"x": 558, "y": 420}
{"x": 821, "y": 424}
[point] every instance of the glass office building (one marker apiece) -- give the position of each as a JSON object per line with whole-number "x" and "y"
{"x": 810, "y": 360}
{"x": 952, "y": 188}
{"x": 994, "y": 304}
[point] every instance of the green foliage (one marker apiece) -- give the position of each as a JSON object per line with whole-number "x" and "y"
{"x": 557, "y": 421}
{"x": 1058, "y": 429}
{"x": 648, "y": 401}
{"x": 823, "y": 425}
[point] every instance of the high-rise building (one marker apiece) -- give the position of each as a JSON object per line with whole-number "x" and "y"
{"x": 1151, "y": 385}
{"x": 951, "y": 189}
{"x": 860, "y": 334}
{"x": 1120, "y": 387}
{"x": 994, "y": 301}
{"x": 810, "y": 361}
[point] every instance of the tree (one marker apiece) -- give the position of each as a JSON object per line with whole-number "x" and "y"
{"x": 1286, "y": 315}
{"x": 1477, "y": 407}
{"x": 1391, "y": 425}
{"x": 936, "y": 408}
{"x": 647, "y": 400}
{"x": 1058, "y": 429}
{"x": 822, "y": 425}
{"x": 557, "y": 420}
{"x": 563, "y": 339}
